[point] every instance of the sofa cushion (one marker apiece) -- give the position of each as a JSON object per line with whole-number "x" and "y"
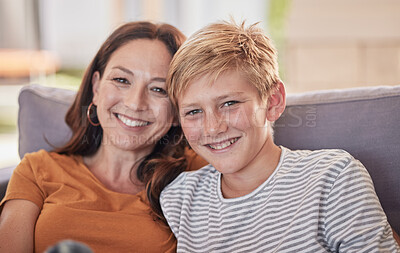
{"x": 362, "y": 121}
{"x": 41, "y": 122}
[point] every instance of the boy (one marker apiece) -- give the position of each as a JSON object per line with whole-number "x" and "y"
{"x": 256, "y": 196}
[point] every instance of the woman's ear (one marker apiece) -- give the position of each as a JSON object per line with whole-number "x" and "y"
{"x": 276, "y": 102}
{"x": 95, "y": 86}
{"x": 175, "y": 121}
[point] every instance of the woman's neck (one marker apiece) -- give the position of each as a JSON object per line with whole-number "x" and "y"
{"x": 116, "y": 168}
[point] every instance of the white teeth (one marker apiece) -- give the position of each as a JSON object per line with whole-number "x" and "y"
{"x": 132, "y": 123}
{"x": 224, "y": 144}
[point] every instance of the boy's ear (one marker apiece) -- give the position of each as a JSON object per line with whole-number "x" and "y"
{"x": 95, "y": 86}
{"x": 276, "y": 102}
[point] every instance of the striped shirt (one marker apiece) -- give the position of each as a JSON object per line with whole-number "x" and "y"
{"x": 315, "y": 201}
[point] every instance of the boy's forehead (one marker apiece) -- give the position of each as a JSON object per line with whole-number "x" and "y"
{"x": 206, "y": 81}
{"x": 210, "y": 86}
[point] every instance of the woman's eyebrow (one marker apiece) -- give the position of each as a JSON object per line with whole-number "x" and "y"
{"x": 155, "y": 79}
{"x": 123, "y": 69}
{"x": 159, "y": 79}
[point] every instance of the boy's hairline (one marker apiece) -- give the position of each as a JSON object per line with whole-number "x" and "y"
{"x": 213, "y": 76}
{"x": 181, "y": 79}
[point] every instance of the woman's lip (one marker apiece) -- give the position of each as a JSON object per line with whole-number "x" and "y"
{"x": 132, "y": 122}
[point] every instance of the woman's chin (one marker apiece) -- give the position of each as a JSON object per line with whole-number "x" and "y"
{"x": 128, "y": 143}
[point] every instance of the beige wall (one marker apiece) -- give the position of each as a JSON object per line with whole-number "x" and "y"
{"x": 342, "y": 43}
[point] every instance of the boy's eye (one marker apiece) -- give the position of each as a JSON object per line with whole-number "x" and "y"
{"x": 193, "y": 112}
{"x": 159, "y": 90}
{"x": 121, "y": 80}
{"x": 229, "y": 103}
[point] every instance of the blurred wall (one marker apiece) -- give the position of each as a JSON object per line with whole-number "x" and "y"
{"x": 191, "y": 15}
{"x": 326, "y": 44}
{"x": 342, "y": 43}
{"x": 75, "y": 29}
{"x": 19, "y": 24}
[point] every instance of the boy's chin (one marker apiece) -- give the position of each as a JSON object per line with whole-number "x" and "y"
{"x": 226, "y": 167}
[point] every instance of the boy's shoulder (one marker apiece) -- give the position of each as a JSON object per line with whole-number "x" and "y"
{"x": 193, "y": 179}
{"x": 319, "y": 154}
{"x": 323, "y": 161}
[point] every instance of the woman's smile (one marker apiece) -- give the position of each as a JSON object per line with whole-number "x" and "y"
{"x": 129, "y": 122}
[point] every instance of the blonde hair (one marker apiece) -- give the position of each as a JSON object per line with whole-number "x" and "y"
{"x": 224, "y": 46}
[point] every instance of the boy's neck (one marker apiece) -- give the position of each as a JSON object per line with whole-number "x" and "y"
{"x": 240, "y": 184}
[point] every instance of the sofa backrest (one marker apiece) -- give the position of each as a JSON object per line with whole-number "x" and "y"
{"x": 41, "y": 118}
{"x": 362, "y": 121}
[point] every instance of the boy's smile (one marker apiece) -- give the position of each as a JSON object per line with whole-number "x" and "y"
{"x": 226, "y": 122}
{"x": 223, "y": 144}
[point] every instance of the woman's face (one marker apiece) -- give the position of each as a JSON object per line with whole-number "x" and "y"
{"x": 132, "y": 104}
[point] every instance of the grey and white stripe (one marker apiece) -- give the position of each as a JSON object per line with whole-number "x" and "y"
{"x": 315, "y": 201}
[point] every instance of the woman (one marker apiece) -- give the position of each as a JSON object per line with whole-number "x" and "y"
{"x": 101, "y": 188}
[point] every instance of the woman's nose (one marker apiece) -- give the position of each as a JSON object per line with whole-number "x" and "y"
{"x": 136, "y": 98}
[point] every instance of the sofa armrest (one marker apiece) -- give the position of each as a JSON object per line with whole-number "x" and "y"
{"x": 5, "y": 174}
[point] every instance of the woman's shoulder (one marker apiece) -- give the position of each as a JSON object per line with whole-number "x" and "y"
{"x": 43, "y": 158}
{"x": 195, "y": 161}
{"x": 44, "y": 154}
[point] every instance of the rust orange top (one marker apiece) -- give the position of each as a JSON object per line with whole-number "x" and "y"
{"x": 76, "y": 205}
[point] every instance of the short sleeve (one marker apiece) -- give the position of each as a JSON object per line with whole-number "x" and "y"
{"x": 355, "y": 221}
{"x": 171, "y": 200}
{"x": 24, "y": 182}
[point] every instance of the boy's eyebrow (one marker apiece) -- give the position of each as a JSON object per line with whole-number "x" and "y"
{"x": 228, "y": 95}
{"x": 222, "y": 97}
{"x": 155, "y": 79}
{"x": 188, "y": 105}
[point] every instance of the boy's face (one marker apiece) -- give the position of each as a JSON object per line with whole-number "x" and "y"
{"x": 226, "y": 122}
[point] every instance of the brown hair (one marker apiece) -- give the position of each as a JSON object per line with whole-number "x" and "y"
{"x": 86, "y": 138}
{"x": 222, "y": 46}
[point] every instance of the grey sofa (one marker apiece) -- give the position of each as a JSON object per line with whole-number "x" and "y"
{"x": 362, "y": 121}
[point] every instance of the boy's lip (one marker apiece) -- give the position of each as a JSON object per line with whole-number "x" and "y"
{"x": 223, "y": 144}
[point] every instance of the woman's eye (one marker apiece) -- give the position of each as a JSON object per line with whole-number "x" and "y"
{"x": 121, "y": 80}
{"x": 193, "y": 112}
{"x": 159, "y": 90}
{"x": 229, "y": 103}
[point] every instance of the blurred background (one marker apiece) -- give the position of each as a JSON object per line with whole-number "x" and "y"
{"x": 322, "y": 44}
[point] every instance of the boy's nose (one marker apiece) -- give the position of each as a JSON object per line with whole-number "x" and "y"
{"x": 214, "y": 124}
